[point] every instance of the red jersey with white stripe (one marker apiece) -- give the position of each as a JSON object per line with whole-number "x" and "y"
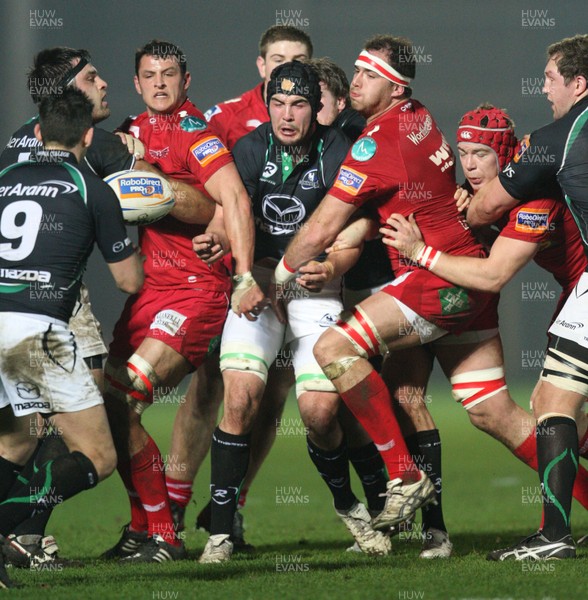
{"x": 549, "y": 223}
{"x": 184, "y": 147}
{"x": 402, "y": 163}
{"x": 237, "y": 117}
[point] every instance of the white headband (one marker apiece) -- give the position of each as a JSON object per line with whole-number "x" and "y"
{"x": 381, "y": 67}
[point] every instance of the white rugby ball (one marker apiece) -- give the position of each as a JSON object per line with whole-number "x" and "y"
{"x": 144, "y": 197}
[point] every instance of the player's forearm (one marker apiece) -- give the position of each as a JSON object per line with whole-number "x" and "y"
{"x": 311, "y": 240}
{"x": 489, "y": 204}
{"x": 469, "y": 272}
{"x": 239, "y": 227}
{"x": 217, "y": 226}
{"x": 314, "y": 236}
{"x": 128, "y": 273}
{"x": 191, "y": 205}
{"x": 343, "y": 260}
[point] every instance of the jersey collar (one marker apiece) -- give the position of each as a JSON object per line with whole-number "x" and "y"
{"x": 40, "y": 155}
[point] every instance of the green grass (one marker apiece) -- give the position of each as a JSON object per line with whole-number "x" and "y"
{"x": 301, "y": 546}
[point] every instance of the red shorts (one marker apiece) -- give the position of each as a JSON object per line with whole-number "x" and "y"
{"x": 189, "y": 321}
{"x": 444, "y": 304}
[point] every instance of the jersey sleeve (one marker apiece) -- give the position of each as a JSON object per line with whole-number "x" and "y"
{"x": 108, "y": 154}
{"x": 111, "y": 234}
{"x": 533, "y": 221}
{"x": 218, "y": 121}
{"x": 247, "y": 154}
{"x": 205, "y": 153}
{"x": 21, "y": 145}
{"x": 359, "y": 181}
{"x": 8, "y": 156}
{"x": 336, "y": 147}
{"x": 534, "y": 167}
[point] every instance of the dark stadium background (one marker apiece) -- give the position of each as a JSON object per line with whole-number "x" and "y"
{"x": 468, "y": 52}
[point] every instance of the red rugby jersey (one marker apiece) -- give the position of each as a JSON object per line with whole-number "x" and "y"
{"x": 237, "y": 117}
{"x": 183, "y": 146}
{"x": 549, "y": 223}
{"x": 402, "y": 163}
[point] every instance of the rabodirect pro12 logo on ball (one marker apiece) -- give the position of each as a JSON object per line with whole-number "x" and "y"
{"x": 149, "y": 187}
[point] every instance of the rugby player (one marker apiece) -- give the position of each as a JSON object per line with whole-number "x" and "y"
{"x": 542, "y": 230}
{"x": 167, "y": 330}
{"x": 287, "y": 166}
{"x": 56, "y": 69}
{"x": 558, "y": 399}
{"x": 233, "y": 119}
{"x": 58, "y": 384}
{"x": 401, "y": 144}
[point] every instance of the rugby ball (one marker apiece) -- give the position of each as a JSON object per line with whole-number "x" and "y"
{"x": 144, "y": 197}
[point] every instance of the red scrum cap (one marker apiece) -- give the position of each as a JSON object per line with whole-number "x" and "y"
{"x": 492, "y": 127}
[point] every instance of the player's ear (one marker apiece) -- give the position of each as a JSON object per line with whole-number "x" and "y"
{"x": 88, "y": 136}
{"x": 581, "y": 85}
{"x": 341, "y": 103}
{"x": 397, "y": 91}
{"x": 137, "y": 85}
{"x": 187, "y": 80}
{"x": 261, "y": 66}
{"x": 38, "y": 133}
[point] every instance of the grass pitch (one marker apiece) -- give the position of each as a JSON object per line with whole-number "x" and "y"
{"x": 489, "y": 498}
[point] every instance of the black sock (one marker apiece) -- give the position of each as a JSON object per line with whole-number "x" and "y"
{"x": 51, "y": 447}
{"x": 9, "y": 472}
{"x": 333, "y": 467}
{"x": 229, "y": 456}
{"x": 557, "y": 458}
{"x": 54, "y": 483}
{"x": 425, "y": 447}
{"x": 371, "y": 470}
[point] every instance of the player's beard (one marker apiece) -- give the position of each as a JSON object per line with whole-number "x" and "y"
{"x": 100, "y": 114}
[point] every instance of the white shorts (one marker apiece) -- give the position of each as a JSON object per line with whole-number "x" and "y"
{"x": 566, "y": 366}
{"x": 86, "y": 327}
{"x": 571, "y": 322}
{"x": 41, "y": 369}
{"x": 252, "y": 346}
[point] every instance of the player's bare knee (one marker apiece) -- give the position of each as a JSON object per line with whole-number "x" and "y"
{"x": 320, "y": 424}
{"x": 240, "y": 406}
{"x": 328, "y": 348}
{"x": 481, "y": 420}
{"x": 319, "y": 412}
{"x": 103, "y": 457}
{"x": 17, "y": 447}
{"x": 108, "y": 463}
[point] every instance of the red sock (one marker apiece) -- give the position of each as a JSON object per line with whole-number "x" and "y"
{"x": 370, "y": 402}
{"x": 242, "y": 498}
{"x": 147, "y": 471}
{"x": 584, "y": 445}
{"x": 527, "y": 452}
{"x": 179, "y": 491}
{"x": 138, "y": 513}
